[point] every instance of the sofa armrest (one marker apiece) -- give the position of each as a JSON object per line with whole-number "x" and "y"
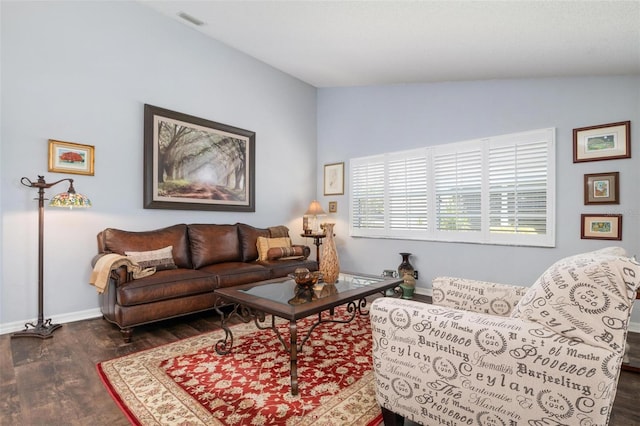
{"x": 436, "y": 365}
{"x": 120, "y": 275}
{"x": 476, "y": 296}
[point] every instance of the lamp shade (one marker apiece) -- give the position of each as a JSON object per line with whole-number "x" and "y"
{"x": 315, "y": 209}
{"x": 71, "y": 200}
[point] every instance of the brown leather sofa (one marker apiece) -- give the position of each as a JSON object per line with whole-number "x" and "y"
{"x": 206, "y": 256}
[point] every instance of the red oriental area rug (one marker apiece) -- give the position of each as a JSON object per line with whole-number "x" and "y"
{"x": 188, "y": 383}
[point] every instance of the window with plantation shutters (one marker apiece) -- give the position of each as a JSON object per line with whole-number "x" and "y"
{"x": 497, "y": 190}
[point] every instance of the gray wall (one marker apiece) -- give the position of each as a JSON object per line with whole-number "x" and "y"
{"x": 355, "y": 122}
{"x": 81, "y": 72}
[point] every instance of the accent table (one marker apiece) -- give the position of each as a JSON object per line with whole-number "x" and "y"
{"x": 317, "y": 241}
{"x": 257, "y": 300}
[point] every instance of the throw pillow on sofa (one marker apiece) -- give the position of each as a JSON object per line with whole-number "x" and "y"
{"x": 264, "y": 244}
{"x": 160, "y": 259}
{"x": 285, "y": 253}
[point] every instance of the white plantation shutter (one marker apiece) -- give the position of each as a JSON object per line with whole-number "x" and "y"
{"x": 499, "y": 190}
{"x": 521, "y": 177}
{"x": 458, "y": 190}
{"x": 407, "y": 189}
{"x": 367, "y": 195}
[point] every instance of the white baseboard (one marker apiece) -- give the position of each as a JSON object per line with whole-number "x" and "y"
{"x": 56, "y": 319}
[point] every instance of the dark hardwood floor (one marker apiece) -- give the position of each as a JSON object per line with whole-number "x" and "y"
{"x": 54, "y": 381}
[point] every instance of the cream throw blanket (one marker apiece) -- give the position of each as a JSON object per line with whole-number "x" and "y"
{"x": 103, "y": 267}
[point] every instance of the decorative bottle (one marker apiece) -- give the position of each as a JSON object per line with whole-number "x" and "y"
{"x": 408, "y": 285}
{"x": 329, "y": 264}
{"x": 405, "y": 266}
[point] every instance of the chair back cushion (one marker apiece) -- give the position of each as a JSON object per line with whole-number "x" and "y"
{"x": 586, "y": 297}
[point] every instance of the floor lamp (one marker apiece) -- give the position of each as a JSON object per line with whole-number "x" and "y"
{"x": 43, "y": 328}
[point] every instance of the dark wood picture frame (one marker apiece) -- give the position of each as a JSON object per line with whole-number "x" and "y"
{"x": 601, "y": 227}
{"x": 602, "y": 142}
{"x": 602, "y": 188}
{"x": 191, "y": 163}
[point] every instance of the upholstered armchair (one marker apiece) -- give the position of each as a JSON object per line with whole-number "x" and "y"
{"x": 492, "y": 354}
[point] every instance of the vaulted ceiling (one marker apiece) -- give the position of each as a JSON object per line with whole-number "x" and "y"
{"x": 357, "y": 43}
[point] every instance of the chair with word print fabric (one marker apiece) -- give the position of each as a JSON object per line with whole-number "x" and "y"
{"x": 493, "y": 354}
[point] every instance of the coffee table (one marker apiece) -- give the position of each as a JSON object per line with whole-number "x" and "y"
{"x": 257, "y": 300}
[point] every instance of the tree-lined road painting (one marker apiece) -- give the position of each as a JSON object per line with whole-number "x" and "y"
{"x": 201, "y": 164}
{"x": 599, "y": 143}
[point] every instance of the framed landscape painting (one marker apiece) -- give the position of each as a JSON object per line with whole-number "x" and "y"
{"x": 602, "y": 142}
{"x": 601, "y": 226}
{"x": 191, "y": 163}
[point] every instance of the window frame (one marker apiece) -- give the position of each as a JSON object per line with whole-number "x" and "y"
{"x": 537, "y": 141}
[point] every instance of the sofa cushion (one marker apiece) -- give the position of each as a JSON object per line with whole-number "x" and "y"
{"x": 601, "y": 284}
{"x": 264, "y": 244}
{"x": 248, "y": 241}
{"x": 164, "y": 285}
{"x": 211, "y": 244}
{"x": 282, "y": 268}
{"x": 236, "y": 273}
{"x": 160, "y": 259}
{"x": 119, "y": 241}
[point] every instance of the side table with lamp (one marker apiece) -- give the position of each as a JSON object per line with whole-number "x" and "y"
{"x": 317, "y": 240}
{"x": 314, "y": 211}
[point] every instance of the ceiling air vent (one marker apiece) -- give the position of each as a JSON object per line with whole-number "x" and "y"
{"x": 187, "y": 17}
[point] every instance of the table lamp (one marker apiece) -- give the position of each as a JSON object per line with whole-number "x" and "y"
{"x": 314, "y": 210}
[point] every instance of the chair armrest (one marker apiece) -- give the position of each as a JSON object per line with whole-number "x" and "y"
{"x": 436, "y": 365}
{"x": 476, "y": 296}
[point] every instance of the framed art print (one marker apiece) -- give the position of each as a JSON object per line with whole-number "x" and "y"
{"x": 602, "y": 142}
{"x": 601, "y": 188}
{"x": 69, "y": 157}
{"x": 334, "y": 179}
{"x": 601, "y": 226}
{"x": 191, "y": 163}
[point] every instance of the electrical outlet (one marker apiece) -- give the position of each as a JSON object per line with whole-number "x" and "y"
{"x": 415, "y": 274}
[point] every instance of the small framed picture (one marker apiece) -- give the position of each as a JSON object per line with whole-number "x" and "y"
{"x": 334, "y": 179}
{"x": 69, "y": 157}
{"x": 601, "y": 188}
{"x": 333, "y": 207}
{"x": 601, "y": 227}
{"x": 602, "y": 142}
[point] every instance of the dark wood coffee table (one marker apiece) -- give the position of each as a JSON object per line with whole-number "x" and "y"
{"x": 257, "y": 300}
